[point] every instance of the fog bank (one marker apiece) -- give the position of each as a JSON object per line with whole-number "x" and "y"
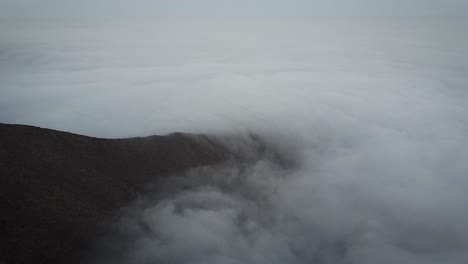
{"x": 375, "y": 111}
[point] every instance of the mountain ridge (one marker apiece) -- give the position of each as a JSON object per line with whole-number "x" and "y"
{"x": 58, "y": 188}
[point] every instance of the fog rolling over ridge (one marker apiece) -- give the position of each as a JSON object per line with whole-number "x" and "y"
{"x": 374, "y": 110}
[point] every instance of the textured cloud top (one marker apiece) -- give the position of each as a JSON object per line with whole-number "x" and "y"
{"x": 375, "y": 108}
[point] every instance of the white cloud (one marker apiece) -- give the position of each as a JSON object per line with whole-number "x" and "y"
{"x": 379, "y": 109}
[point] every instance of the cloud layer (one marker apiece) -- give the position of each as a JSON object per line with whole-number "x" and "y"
{"x": 376, "y": 110}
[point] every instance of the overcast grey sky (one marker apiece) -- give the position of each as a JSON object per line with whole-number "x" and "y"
{"x": 53, "y": 8}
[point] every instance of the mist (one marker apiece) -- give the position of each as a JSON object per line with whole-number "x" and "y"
{"x": 373, "y": 111}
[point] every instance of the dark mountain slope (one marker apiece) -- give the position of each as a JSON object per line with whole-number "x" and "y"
{"x": 56, "y": 188}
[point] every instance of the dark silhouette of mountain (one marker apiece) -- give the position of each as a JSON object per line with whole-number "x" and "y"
{"x": 57, "y": 188}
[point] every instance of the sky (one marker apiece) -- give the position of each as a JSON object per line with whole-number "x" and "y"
{"x": 106, "y": 8}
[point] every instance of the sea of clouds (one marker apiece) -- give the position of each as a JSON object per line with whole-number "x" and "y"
{"x": 375, "y": 109}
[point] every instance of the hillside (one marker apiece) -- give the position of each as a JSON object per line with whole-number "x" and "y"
{"x": 57, "y": 188}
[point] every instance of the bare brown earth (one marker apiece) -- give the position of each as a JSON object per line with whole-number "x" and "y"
{"x": 58, "y": 188}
